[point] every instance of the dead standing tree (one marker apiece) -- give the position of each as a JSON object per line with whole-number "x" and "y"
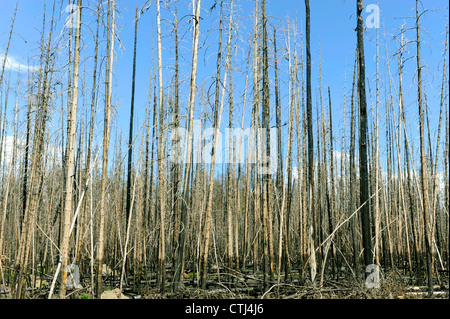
{"x": 265, "y": 164}
{"x": 106, "y": 138}
{"x": 363, "y": 140}
{"x": 72, "y": 120}
{"x": 161, "y": 161}
{"x": 423, "y": 162}
{"x": 310, "y": 161}
{"x": 191, "y": 106}
{"x": 178, "y": 250}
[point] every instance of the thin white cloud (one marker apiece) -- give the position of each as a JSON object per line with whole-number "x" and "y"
{"x": 14, "y": 64}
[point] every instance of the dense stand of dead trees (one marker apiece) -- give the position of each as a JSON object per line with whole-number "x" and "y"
{"x": 161, "y": 220}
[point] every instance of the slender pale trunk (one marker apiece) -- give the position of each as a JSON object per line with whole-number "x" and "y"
{"x": 436, "y": 210}
{"x": 285, "y": 192}
{"x": 246, "y": 242}
{"x": 161, "y": 161}
{"x": 446, "y": 182}
{"x": 92, "y": 115}
{"x": 179, "y": 221}
{"x": 72, "y": 120}
{"x": 388, "y": 139}
{"x": 190, "y": 121}
{"x": 377, "y": 152}
{"x": 5, "y": 57}
{"x": 279, "y": 181}
{"x": 230, "y": 186}
{"x": 266, "y": 177}
{"x": 352, "y": 168}
{"x": 255, "y": 143}
{"x": 106, "y": 138}
{"x": 331, "y": 196}
{"x": 402, "y": 205}
{"x": 423, "y": 170}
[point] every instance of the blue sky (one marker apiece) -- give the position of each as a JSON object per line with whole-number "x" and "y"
{"x": 332, "y": 34}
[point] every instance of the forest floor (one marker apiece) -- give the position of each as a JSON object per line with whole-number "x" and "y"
{"x": 345, "y": 288}
{"x": 238, "y": 285}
